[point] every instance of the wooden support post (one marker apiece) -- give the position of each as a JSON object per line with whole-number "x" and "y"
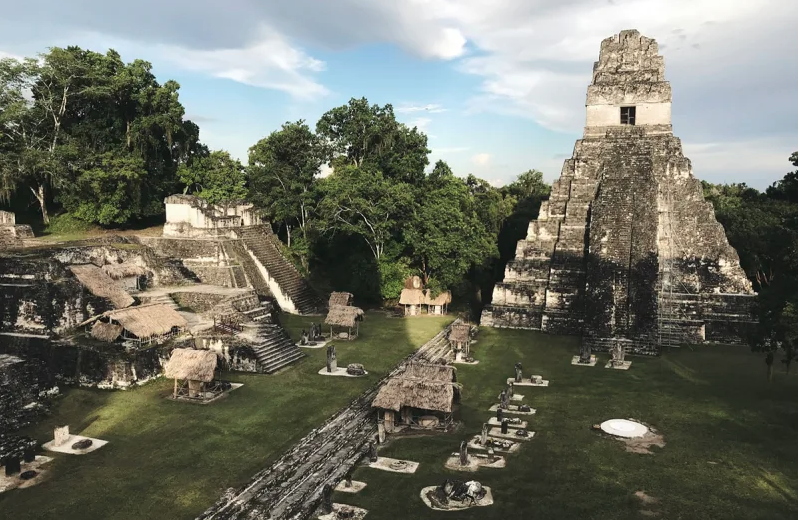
{"x": 175, "y": 393}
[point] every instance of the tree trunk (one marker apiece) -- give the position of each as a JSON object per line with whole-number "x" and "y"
{"x": 770, "y": 373}
{"x": 39, "y": 194}
{"x": 288, "y": 233}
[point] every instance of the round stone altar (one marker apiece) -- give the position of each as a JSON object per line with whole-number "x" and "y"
{"x": 624, "y": 428}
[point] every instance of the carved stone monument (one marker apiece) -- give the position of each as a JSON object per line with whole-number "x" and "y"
{"x": 327, "y": 504}
{"x": 372, "y": 452}
{"x": 332, "y": 363}
{"x": 505, "y": 426}
{"x": 584, "y": 355}
{"x": 504, "y": 400}
{"x": 518, "y": 372}
{"x": 304, "y": 340}
{"x": 510, "y": 389}
{"x": 61, "y": 435}
{"x": 483, "y": 439}
{"x": 463, "y": 454}
{"x": 626, "y": 246}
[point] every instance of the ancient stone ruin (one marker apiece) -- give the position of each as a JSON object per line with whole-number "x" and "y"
{"x": 626, "y": 250}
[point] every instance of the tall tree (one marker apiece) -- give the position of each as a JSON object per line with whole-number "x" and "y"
{"x": 360, "y": 201}
{"x": 360, "y": 134}
{"x": 282, "y": 171}
{"x": 217, "y": 178}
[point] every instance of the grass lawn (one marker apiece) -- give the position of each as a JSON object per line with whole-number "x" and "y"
{"x": 170, "y": 460}
{"x": 731, "y": 439}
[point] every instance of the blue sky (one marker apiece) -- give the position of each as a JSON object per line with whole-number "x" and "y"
{"x": 497, "y": 85}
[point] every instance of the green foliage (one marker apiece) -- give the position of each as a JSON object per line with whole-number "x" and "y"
{"x": 216, "y": 178}
{"x": 66, "y": 224}
{"x": 763, "y": 228}
{"x": 360, "y": 201}
{"x": 392, "y": 277}
{"x": 282, "y": 172}
{"x": 77, "y": 124}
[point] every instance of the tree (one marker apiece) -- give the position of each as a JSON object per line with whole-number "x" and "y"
{"x": 360, "y": 134}
{"x": 360, "y": 201}
{"x": 217, "y": 178}
{"x": 282, "y": 171}
{"x": 74, "y": 113}
{"x": 447, "y": 235}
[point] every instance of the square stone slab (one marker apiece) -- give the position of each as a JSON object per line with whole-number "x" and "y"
{"x": 359, "y": 512}
{"x": 624, "y": 366}
{"x": 475, "y": 445}
{"x": 575, "y": 361}
{"x": 513, "y": 409}
{"x": 528, "y": 382}
{"x": 339, "y": 371}
{"x": 497, "y": 432}
{"x": 388, "y": 464}
{"x": 356, "y": 487}
{"x": 96, "y": 444}
{"x": 495, "y": 422}
{"x": 475, "y": 461}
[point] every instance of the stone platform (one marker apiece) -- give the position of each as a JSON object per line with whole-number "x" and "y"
{"x": 66, "y": 447}
{"x": 513, "y": 409}
{"x": 475, "y": 445}
{"x": 510, "y": 435}
{"x": 528, "y": 382}
{"x": 8, "y": 483}
{"x": 458, "y": 506}
{"x": 475, "y": 461}
{"x": 385, "y": 464}
{"x": 339, "y": 371}
{"x": 358, "y": 512}
{"x": 575, "y": 361}
{"x": 623, "y": 366}
{"x": 356, "y": 487}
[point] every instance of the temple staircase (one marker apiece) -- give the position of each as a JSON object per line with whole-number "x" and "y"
{"x": 261, "y": 242}
{"x": 274, "y": 349}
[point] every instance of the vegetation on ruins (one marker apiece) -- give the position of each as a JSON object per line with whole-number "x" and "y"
{"x": 763, "y": 228}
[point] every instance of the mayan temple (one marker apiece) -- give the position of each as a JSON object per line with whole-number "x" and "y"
{"x": 626, "y": 250}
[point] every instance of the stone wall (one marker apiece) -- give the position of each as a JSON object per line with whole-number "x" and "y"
{"x": 23, "y": 384}
{"x": 89, "y": 364}
{"x": 197, "y": 302}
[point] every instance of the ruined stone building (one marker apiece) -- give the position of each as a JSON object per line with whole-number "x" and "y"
{"x": 626, "y": 249}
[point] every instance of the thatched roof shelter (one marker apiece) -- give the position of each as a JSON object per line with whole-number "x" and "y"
{"x": 344, "y": 316}
{"x": 429, "y": 372}
{"x": 124, "y": 270}
{"x": 145, "y": 321}
{"x": 108, "y": 332}
{"x": 443, "y": 298}
{"x": 191, "y": 365}
{"x": 399, "y": 392}
{"x": 100, "y": 284}
{"x": 411, "y": 297}
{"x": 340, "y": 299}
{"x": 460, "y": 333}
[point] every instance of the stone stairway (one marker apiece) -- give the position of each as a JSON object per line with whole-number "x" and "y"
{"x": 274, "y": 348}
{"x": 164, "y": 299}
{"x": 261, "y": 242}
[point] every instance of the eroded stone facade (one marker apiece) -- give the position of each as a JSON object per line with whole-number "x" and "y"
{"x": 626, "y": 249}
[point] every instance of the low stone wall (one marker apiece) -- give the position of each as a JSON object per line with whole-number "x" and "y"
{"x": 212, "y": 275}
{"x": 21, "y": 383}
{"x": 198, "y": 302}
{"x": 95, "y": 366}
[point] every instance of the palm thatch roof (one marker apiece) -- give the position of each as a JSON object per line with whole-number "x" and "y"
{"x": 460, "y": 333}
{"x": 107, "y": 332}
{"x": 411, "y": 297}
{"x": 344, "y": 316}
{"x": 148, "y": 320}
{"x": 429, "y": 372}
{"x": 193, "y": 365}
{"x": 123, "y": 270}
{"x": 342, "y": 299}
{"x": 427, "y": 386}
{"x": 100, "y": 284}
{"x": 443, "y": 298}
{"x": 415, "y": 393}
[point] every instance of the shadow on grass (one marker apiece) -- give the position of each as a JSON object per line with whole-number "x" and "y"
{"x": 169, "y": 459}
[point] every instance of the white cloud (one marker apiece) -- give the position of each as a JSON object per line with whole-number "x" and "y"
{"x": 4, "y": 55}
{"x": 410, "y": 108}
{"x": 271, "y": 63}
{"x": 422, "y": 123}
{"x": 748, "y": 161}
{"x": 481, "y": 159}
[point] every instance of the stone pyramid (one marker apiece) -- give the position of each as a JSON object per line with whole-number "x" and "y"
{"x": 626, "y": 250}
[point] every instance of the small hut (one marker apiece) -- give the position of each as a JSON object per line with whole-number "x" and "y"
{"x": 344, "y": 317}
{"x": 340, "y": 299}
{"x": 142, "y": 324}
{"x": 460, "y": 340}
{"x": 412, "y": 297}
{"x": 127, "y": 274}
{"x": 100, "y": 284}
{"x": 422, "y": 396}
{"x": 439, "y": 304}
{"x": 193, "y": 372}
